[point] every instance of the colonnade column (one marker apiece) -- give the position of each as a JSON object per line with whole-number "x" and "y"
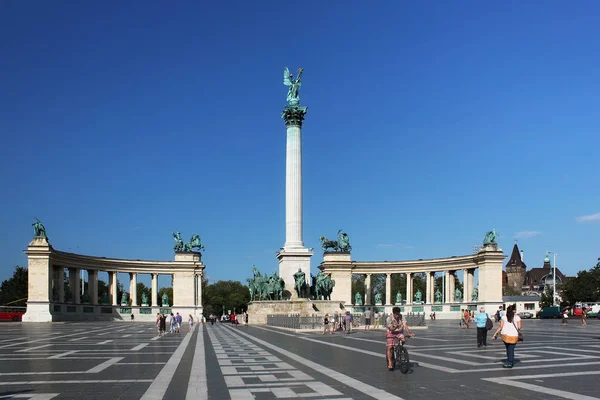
{"x": 368, "y": 289}
{"x": 388, "y": 289}
{"x": 154, "y": 290}
{"x": 112, "y": 277}
{"x": 93, "y": 286}
{"x": 428, "y": 288}
{"x": 133, "y": 288}
{"x": 409, "y": 288}
{"x": 471, "y": 277}
{"x": 199, "y": 300}
{"x": 61, "y": 284}
{"x": 75, "y": 284}
{"x": 447, "y": 287}
{"x": 452, "y": 286}
{"x": 466, "y": 286}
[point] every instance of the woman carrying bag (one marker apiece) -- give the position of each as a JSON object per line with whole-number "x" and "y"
{"x": 510, "y": 325}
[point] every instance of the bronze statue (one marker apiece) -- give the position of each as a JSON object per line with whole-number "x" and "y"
{"x": 490, "y": 238}
{"x": 300, "y": 282}
{"x": 165, "y": 300}
{"x": 39, "y": 231}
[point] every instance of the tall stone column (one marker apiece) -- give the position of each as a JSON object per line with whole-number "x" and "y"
{"x": 93, "y": 286}
{"x": 409, "y": 299}
{"x": 452, "y": 286}
{"x": 112, "y": 276}
{"x": 75, "y": 282}
{"x": 368, "y": 289}
{"x": 428, "y": 288}
{"x": 466, "y": 286}
{"x": 293, "y": 255}
{"x": 447, "y": 287}
{"x": 154, "y": 290}
{"x": 133, "y": 288}
{"x": 61, "y": 284}
{"x": 388, "y": 289}
{"x": 471, "y": 283}
{"x": 199, "y": 299}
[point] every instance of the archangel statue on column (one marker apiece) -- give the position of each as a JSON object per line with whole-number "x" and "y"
{"x": 293, "y": 96}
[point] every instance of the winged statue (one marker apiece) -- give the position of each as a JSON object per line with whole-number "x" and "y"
{"x": 293, "y": 96}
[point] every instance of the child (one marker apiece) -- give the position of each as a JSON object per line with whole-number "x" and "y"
{"x": 326, "y": 324}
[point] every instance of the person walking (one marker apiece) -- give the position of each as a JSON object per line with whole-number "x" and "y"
{"x": 367, "y": 319}
{"x": 336, "y": 321}
{"x": 481, "y": 321}
{"x": 510, "y": 325}
{"x": 348, "y": 322}
{"x": 584, "y": 317}
{"x": 326, "y": 324}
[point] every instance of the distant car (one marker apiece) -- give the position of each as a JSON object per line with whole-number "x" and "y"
{"x": 525, "y": 314}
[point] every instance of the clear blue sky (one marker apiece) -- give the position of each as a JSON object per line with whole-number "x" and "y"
{"x": 428, "y": 125}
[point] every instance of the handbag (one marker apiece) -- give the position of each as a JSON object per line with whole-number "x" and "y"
{"x": 489, "y": 324}
{"x": 520, "y": 335}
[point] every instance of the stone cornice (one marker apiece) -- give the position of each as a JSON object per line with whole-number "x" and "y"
{"x": 415, "y": 266}
{"x": 72, "y": 260}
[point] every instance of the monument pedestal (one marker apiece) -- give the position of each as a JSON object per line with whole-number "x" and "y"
{"x": 289, "y": 262}
{"x": 259, "y": 310}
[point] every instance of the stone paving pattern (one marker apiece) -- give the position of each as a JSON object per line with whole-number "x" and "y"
{"x": 126, "y": 360}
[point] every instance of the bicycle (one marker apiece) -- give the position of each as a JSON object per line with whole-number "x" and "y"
{"x": 399, "y": 356}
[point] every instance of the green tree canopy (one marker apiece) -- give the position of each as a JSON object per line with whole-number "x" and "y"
{"x": 585, "y": 287}
{"x": 231, "y": 294}
{"x": 14, "y": 290}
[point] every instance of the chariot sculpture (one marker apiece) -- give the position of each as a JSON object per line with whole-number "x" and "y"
{"x": 188, "y": 247}
{"x": 341, "y": 245}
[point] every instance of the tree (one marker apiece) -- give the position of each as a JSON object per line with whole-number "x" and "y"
{"x": 15, "y": 290}
{"x": 546, "y": 300}
{"x": 358, "y": 285}
{"x": 585, "y": 287}
{"x": 229, "y": 294}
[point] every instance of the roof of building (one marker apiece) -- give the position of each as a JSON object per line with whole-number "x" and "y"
{"x": 515, "y": 258}
{"x": 508, "y": 299}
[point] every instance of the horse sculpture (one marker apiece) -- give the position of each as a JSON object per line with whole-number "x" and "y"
{"x": 341, "y": 245}
{"x": 194, "y": 243}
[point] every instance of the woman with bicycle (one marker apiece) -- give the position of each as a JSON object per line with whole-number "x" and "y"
{"x": 395, "y": 328}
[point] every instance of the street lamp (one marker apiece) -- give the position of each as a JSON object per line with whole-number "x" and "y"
{"x": 554, "y": 279}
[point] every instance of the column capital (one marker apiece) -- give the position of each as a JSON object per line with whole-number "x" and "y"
{"x": 294, "y": 115}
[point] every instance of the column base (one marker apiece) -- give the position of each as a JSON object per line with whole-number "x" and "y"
{"x": 289, "y": 262}
{"x": 37, "y": 312}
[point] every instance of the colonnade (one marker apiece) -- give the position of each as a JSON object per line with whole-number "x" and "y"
{"x": 487, "y": 262}
{"x": 447, "y": 293}
{"x": 46, "y": 285}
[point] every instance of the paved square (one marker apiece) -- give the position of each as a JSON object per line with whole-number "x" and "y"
{"x": 126, "y": 360}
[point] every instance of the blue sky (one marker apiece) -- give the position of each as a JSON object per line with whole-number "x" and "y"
{"x": 428, "y": 125}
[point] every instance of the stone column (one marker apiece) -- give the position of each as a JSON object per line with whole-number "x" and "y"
{"x": 93, "y": 286}
{"x": 466, "y": 287}
{"x": 112, "y": 276}
{"x": 368, "y": 290}
{"x": 428, "y": 288}
{"x": 39, "y": 281}
{"x": 154, "y": 290}
{"x": 61, "y": 284}
{"x": 452, "y": 286}
{"x": 447, "y": 288}
{"x": 133, "y": 288}
{"x": 293, "y": 255}
{"x": 199, "y": 300}
{"x": 388, "y": 289}
{"x": 75, "y": 282}
{"x": 471, "y": 283}
{"x": 409, "y": 298}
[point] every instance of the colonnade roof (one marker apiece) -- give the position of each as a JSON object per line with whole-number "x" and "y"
{"x": 72, "y": 260}
{"x": 452, "y": 263}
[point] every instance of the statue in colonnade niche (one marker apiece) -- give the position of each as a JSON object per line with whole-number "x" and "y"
{"x": 165, "y": 300}
{"x": 378, "y": 300}
{"x": 398, "y": 297}
{"x": 490, "y": 238}
{"x": 144, "y": 299}
{"x": 475, "y": 295}
{"x": 418, "y": 296}
{"x": 125, "y": 299}
{"x": 438, "y": 296}
{"x": 457, "y": 295}
{"x": 358, "y": 299}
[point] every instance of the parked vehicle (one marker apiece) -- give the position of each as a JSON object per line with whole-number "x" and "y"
{"x": 550, "y": 312}
{"x": 8, "y": 313}
{"x": 525, "y": 314}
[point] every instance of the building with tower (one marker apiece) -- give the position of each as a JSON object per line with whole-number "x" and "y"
{"x": 520, "y": 281}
